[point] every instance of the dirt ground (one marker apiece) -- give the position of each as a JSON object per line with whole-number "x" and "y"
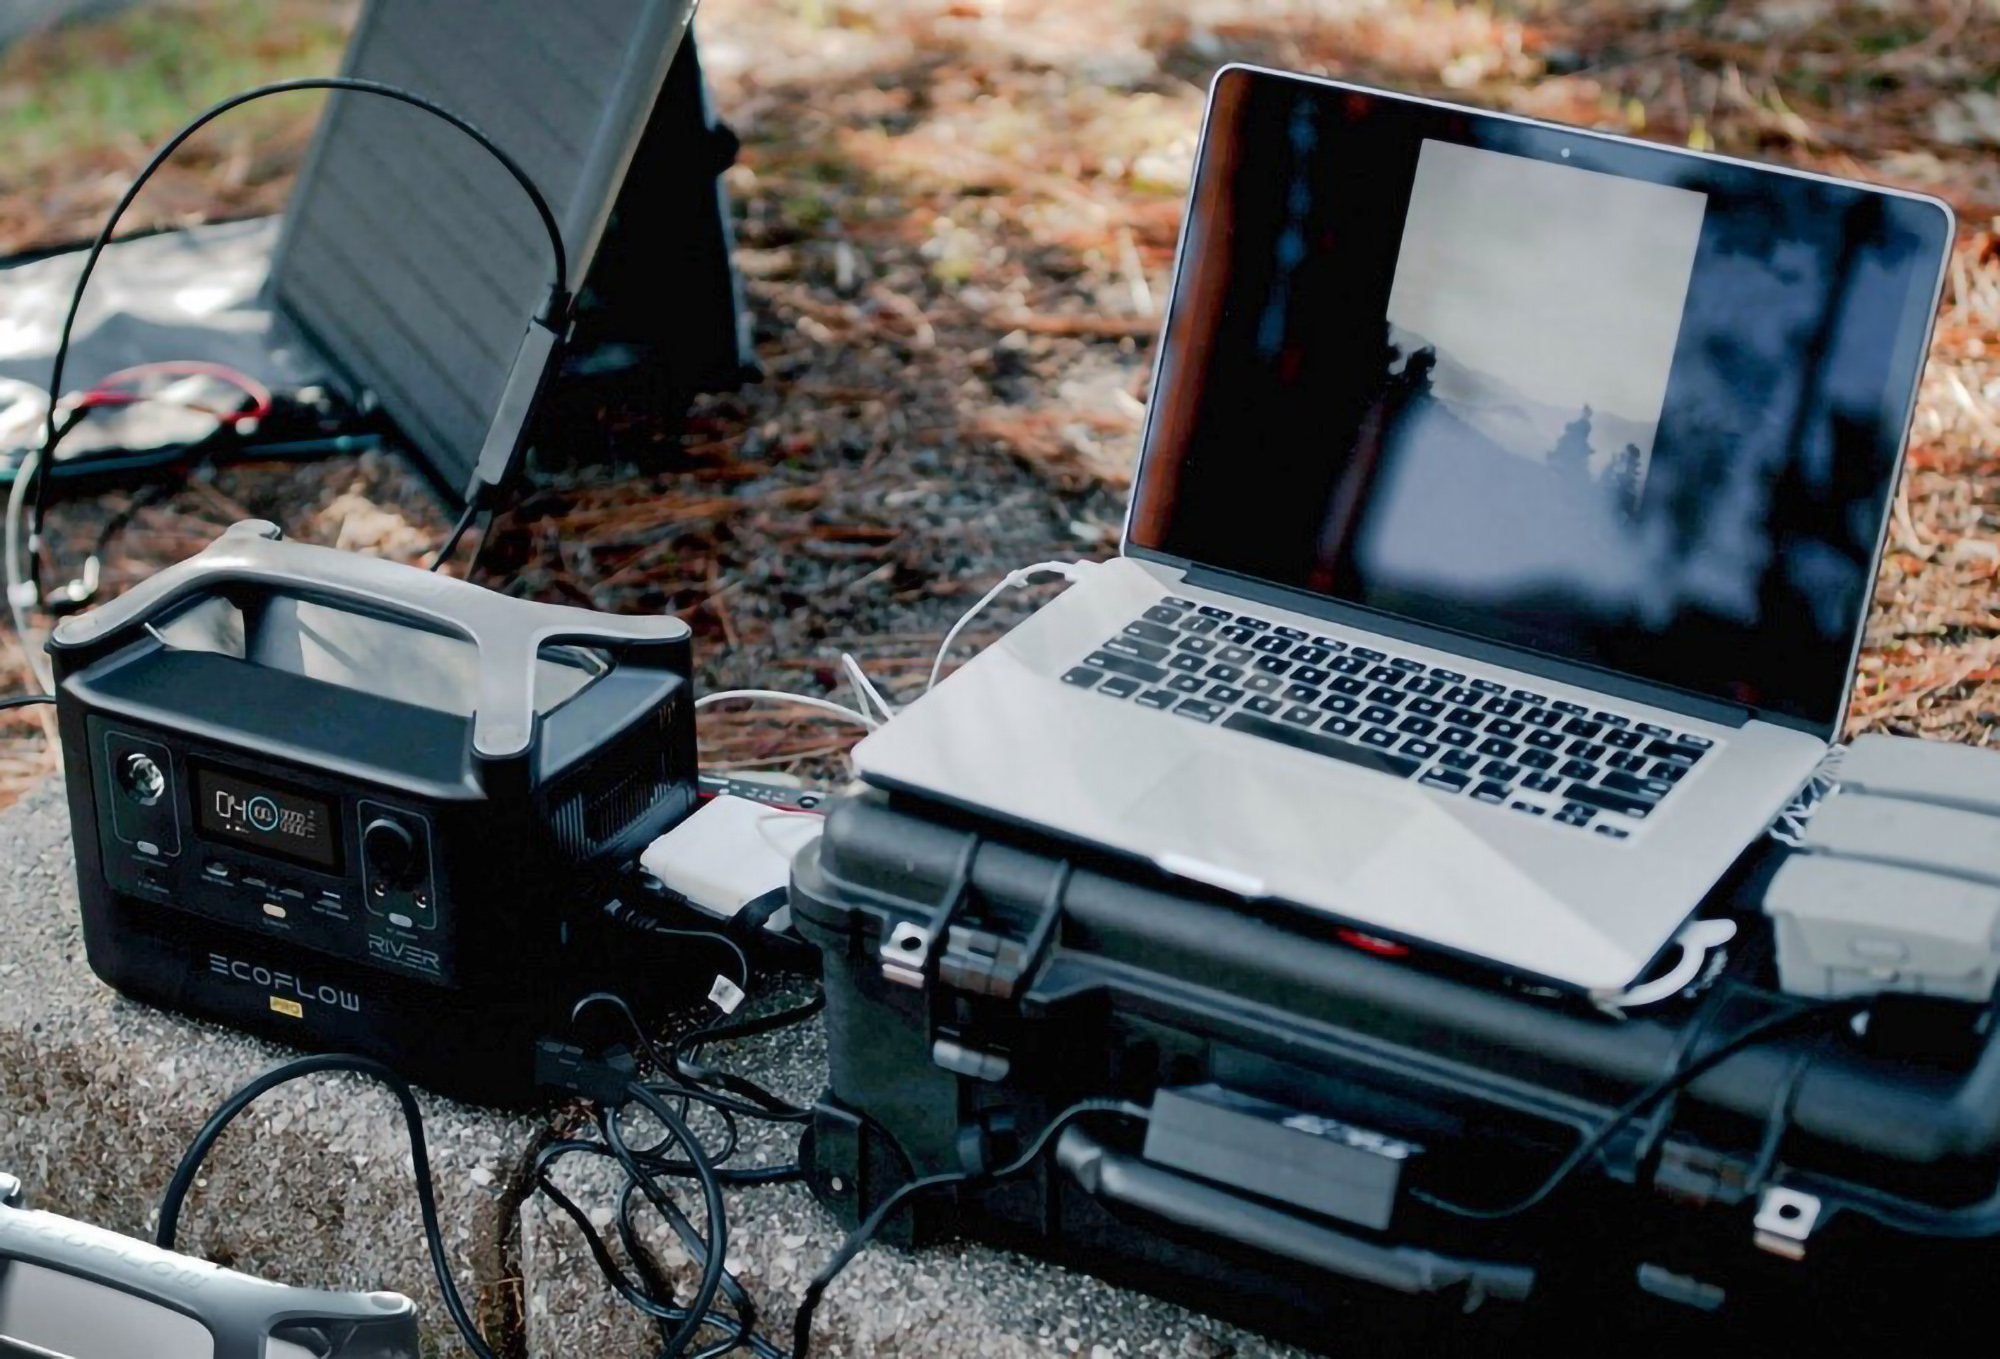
{"x": 956, "y": 220}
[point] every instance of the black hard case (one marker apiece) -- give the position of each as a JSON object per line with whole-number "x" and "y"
{"x": 1137, "y": 983}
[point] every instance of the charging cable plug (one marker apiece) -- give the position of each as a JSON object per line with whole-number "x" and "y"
{"x": 1013, "y": 580}
{"x": 605, "y": 1079}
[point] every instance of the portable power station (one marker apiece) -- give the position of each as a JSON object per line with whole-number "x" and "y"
{"x": 352, "y": 804}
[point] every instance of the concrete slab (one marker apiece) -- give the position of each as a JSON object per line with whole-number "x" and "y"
{"x": 99, "y": 1097}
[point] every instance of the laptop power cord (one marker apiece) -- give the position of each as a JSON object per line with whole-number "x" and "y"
{"x": 872, "y": 709}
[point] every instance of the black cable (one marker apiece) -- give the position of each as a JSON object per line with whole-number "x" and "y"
{"x": 23, "y": 700}
{"x": 413, "y": 1120}
{"x": 554, "y": 312}
{"x": 858, "y": 1239}
{"x": 1804, "y": 1017}
{"x": 711, "y": 1192}
{"x": 472, "y": 508}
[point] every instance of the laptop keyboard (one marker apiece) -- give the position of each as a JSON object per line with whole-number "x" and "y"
{"x": 1456, "y": 733}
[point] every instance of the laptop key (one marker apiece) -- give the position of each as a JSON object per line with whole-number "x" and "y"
{"x": 1387, "y": 697}
{"x": 1161, "y": 613}
{"x": 1424, "y": 707}
{"x": 1489, "y": 686}
{"x": 1224, "y": 674}
{"x": 1545, "y": 740}
{"x": 1668, "y": 770}
{"x": 1627, "y": 761}
{"x": 1301, "y": 693}
{"x": 1402, "y": 766}
{"x": 1235, "y": 633}
{"x": 1541, "y": 717}
{"x": 1578, "y": 726}
{"x": 1611, "y": 719}
{"x": 1667, "y": 750}
{"x": 1572, "y": 709}
{"x": 1611, "y": 832}
{"x": 1340, "y": 726}
{"x": 1082, "y": 676}
{"x": 1423, "y": 684}
{"x": 1330, "y": 643}
{"x": 1529, "y": 696}
{"x": 1462, "y": 717}
{"x": 1530, "y": 808}
{"x": 1251, "y": 622}
{"x": 1262, "y": 684}
{"x": 1186, "y": 684}
{"x": 1339, "y": 703}
{"x": 1624, "y": 739}
{"x": 1263, "y": 705}
{"x": 1448, "y": 779}
{"x": 1458, "y": 736}
{"x": 1311, "y": 674}
{"x": 1500, "y": 726}
{"x": 1348, "y": 684}
{"x": 1174, "y": 602}
{"x": 1124, "y": 665}
{"x": 1200, "y": 626}
{"x": 1119, "y": 686}
{"x": 1586, "y": 750}
{"x": 1647, "y": 728}
{"x": 1417, "y": 726}
{"x": 1501, "y": 772}
{"x": 1271, "y": 644}
{"x": 1186, "y": 662}
{"x": 1502, "y": 707}
{"x": 1311, "y": 655}
{"x": 1460, "y": 759}
{"x": 1223, "y": 693}
{"x": 1211, "y": 611}
{"x": 1498, "y": 749}
{"x": 1651, "y": 790}
{"x": 1376, "y": 736}
{"x": 1542, "y": 783}
{"x": 1606, "y": 800}
{"x": 1199, "y": 710}
{"x": 1369, "y": 654}
{"x": 1196, "y": 646}
{"x": 1157, "y": 698}
{"x": 1461, "y": 695}
{"x": 1378, "y": 714}
{"x": 1294, "y": 634}
{"x": 1579, "y": 769}
{"x": 1145, "y": 651}
{"x": 1448, "y": 676}
{"x": 1347, "y": 665}
{"x": 1418, "y": 748}
{"x": 1489, "y": 791}
{"x": 1235, "y": 655}
{"x": 1405, "y": 663}
{"x": 1537, "y": 759}
{"x": 1272, "y": 665}
{"x": 1299, "y": 715}
{"x": 1383, "y": 674}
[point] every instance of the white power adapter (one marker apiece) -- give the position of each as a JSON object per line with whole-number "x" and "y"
{"x": 730, "y": 853}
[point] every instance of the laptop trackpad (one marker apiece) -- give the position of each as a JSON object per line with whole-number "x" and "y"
{"x": 1237, "y": 815}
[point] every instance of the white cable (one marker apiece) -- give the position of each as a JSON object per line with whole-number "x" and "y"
{"x": 804, "y": 700}
{"x": 20, "y": 594}
{"x": 1071, "y": 571}
{"x": 864, "y": 688}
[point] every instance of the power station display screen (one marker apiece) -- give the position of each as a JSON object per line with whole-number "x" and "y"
{"x": 267, "y": 818}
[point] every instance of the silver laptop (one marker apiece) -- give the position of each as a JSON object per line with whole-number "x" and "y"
{"x": 1508, "y": 511}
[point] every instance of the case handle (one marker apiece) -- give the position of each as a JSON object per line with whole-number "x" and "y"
{"x": 509, "y": 633}
{"x": 1133, "y": 1183}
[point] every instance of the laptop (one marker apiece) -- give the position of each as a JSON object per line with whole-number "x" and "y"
{"x": 1507, "y": 514}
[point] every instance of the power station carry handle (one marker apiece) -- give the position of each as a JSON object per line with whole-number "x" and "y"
{"x": 509, "y": 633}
{"x": 1128, "y": 1181}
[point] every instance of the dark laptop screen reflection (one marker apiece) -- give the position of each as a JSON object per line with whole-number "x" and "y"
{"x": 1432, "y": 365}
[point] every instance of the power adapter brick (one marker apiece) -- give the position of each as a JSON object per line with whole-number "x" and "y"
{"x": 731, "y": 854}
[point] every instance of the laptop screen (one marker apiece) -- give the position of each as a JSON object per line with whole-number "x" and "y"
{"x": 1627, "y": 407}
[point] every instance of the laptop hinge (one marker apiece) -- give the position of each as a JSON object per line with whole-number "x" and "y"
{"x": 1474, "y": 648}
